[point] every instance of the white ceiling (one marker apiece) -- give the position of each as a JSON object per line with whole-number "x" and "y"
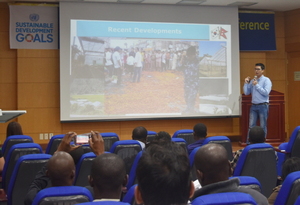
{"x": 273, "y": 5}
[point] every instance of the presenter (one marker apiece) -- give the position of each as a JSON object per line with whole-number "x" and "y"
{"x": 259, "y": 87}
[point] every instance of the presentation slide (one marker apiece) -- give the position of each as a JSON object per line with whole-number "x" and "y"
{"x": 130, "y": 70}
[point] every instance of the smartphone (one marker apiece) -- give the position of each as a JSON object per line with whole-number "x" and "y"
{"x": 82, "y": 138}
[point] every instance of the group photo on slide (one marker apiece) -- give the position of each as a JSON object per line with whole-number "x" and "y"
{"x": 163, "y": 71}
{"x": 129, "y": 67}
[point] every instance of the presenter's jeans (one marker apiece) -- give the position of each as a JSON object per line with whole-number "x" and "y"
{"x": 260, "y": 112}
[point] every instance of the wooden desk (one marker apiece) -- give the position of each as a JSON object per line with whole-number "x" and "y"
{"x": 276, "y": 119}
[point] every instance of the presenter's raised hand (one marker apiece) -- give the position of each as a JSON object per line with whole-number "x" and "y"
{"x": 247, "y": 79}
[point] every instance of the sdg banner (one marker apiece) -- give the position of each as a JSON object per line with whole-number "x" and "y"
{"x": 33, "y": 27}
{"x": 257, "y": 31}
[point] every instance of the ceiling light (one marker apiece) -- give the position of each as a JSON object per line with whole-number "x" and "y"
{"x": 191, "y": 2}
{"x": 130, "y": 1}
{"x": 240, "y": 4}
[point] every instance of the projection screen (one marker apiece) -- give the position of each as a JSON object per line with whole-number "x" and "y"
{"x": 137, "y": 61}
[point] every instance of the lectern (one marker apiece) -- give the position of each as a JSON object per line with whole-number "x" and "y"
{"x": 7, "y": 115}
{"x": 276, "y": 119}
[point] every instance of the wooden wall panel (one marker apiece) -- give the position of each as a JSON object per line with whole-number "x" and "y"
{"x": 5, "y": 51}
{"x": 280, "y": 86}
{"x": 292, "y": 47}
{"x": 7, "y": 96}
{"x": 8, "y": 73}
{"x": 83, "y": 127}
{"x": 293, "y": 92}
{"x": 8, "y": 69}
{"x": 279, "y": 25}
{"x": 292, "y": 33}
{"x": 222, "y": 126}
{"x": 36, "y": 53}
{"x": 280, "y": 52}
{"x": 38, "y": 95}
{"x": 40, "y": 120}
{"x": 38, "y": 70}
{"x": 236, "y": 126}
{"x": 276, "y": 69}
{"x": 276, "y": 61}
{"x": 4, "y": 16}
{"x": 252, "y": 55}
{"x": 292, "y": 30}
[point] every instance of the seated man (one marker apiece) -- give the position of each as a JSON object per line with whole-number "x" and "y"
{"x": 200, "y": 132}
{"x": 108, "y": 177}
{"x": 163, "y": 175}
{"x": 42, "y": 180}
{"x": 256, "y": 135}
{"x": 140, "y": 134}
{"x": 61, "y": 169}
{"x": 213, "y": 170}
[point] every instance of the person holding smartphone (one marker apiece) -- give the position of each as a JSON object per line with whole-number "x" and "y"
{"x": 42, "y": 180}
{"x": 95, "y": 141}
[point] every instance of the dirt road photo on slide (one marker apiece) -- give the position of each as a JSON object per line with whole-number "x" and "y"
{"x": 157, "y": 92}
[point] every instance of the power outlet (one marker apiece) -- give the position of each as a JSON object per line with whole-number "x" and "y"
{"x": 46, "y": 136}
{"x": 50, "y": 135}
{"x": 41, "y": 136}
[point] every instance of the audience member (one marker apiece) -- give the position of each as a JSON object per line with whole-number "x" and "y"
{"x": 290, "y": 165}
{"x": 256, "y": 135}
{"x": 140, "y": 134}
{"x": 61, "y": 169}
{"x": 199, "y": 132}
{"x": 213, "y": 170}
{"x": 163, "y": 175}
{"x": 108, "y": 177}
{"x": 162, "y": 138}
{"x": 43, "y": 181}
{"x": 13, "y": 128}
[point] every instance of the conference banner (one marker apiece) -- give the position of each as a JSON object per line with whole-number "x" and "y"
{"x": 257, "y": 31}
{"x": 33, "y": 26}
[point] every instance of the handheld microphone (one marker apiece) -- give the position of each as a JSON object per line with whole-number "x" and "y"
{"x": 255, "y": 77}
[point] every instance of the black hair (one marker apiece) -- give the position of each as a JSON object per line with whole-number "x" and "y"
{"x": 162, "y": 138}
{"x": 262, "y": 66}
{"x": 163, "y": 175}
{"x": 108, "y": 172}
{"x": 256, "y": 135}
{"x": 140, "y": 133}
{"x": 13, "y": 128}
{"x": 290, "y": 165}
{"x": 200, "y": 130}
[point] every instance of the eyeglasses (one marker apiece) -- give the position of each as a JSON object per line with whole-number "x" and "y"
{"x": 257, "y": 68}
